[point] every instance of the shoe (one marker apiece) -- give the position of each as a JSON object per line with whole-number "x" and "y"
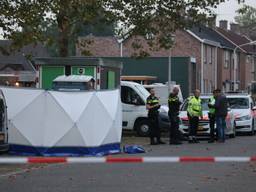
{"x": 153, "y": 143}
{"x": 195, "y": 140}
{"x": 191, "y": 141}
{"x": 160, "y": 142}
{"x": 175, "y": 143}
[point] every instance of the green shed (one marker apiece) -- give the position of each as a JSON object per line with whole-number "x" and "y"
{"x": 106, "y": 72}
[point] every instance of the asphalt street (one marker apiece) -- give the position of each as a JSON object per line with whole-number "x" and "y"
{"x": 233, "y": 177}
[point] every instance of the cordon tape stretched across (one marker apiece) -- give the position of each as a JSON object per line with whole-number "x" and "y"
{"x": 86, "y": 160}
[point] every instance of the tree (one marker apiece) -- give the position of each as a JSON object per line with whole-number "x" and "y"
{"x": 247, "y": 21}
{"x": 27, "y": 21}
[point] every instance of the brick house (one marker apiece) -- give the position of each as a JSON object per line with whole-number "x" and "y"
{"x": 246, "y": 55}
{"x": 213, "y": 54}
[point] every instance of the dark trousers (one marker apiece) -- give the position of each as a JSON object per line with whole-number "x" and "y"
{"x": 154, "y": 128}
{"x": 212, "y": 119}
{"x": 174, "y": 128}
{"x": 193, "y": 125}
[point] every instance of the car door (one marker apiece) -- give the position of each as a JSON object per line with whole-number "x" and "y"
{"x": 133, "y": 106}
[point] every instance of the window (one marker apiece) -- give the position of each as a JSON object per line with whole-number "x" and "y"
{"x": 129, "y": 96}
{"x": 226, "y": 59}
{"x": 211, "y": 55}
{"x": 248, "y": 59}
{"x": 149, "y": 36}
{"x": 205, "y": 54}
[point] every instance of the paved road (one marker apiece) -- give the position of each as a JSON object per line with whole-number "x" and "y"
{"x": 233, "y": 177}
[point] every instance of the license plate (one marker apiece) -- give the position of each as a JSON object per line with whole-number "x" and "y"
{"x": 1, "y": 137}
{"x": 200, "y": 128}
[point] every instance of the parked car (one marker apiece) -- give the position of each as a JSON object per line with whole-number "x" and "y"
{"x": 4, "y": 146}
{"x": 204, "y": 128}
{"x": 243, "y": 107}
{"x": 133, "y": 97}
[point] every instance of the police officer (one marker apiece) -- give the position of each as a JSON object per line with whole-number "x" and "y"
{"x": 174, "y": 108}
{"x": 194, "y": 111}
{"x": 152, "y": 106}
{"x": 212, "y": 117}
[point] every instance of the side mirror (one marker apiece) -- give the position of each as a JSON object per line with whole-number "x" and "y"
{"x": 254, "y": 108}
{"x": 229, "y": 109}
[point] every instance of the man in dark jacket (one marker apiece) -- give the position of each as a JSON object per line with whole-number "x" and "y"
{"x": 174, "y": 108}
{"x": 221, "y": 113}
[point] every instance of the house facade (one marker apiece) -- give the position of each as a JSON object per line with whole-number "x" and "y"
{"x": 245, "y": 53}
{"x": 212, "y": 52}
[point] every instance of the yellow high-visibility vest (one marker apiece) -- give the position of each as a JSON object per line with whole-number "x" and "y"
{"x": 194, "y": 106}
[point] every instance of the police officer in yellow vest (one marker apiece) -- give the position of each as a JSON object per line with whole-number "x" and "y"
{"x": 194, "y": 112}
{"x": 212, "y": 117}
{"x": 152, "y": 106}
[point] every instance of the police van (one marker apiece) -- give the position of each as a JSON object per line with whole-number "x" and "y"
{"x": 135, "y": 114}
{"x": 4, "y": 146}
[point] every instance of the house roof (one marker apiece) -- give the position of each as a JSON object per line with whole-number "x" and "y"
{"x": 206, "y": 33}
{"x": 18, "y": 58}
{"x": 98, "y": 46}
{"x": 238, "y": 40}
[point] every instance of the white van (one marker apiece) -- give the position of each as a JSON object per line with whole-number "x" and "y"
{"x": 4, "y": 146}
{"x": 133, "y": 97}
{"x": 162, "y": 91}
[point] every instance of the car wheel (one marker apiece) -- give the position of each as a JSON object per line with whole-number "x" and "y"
{"x": 142, "y": 127}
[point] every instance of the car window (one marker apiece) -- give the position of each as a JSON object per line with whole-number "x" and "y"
{"x": 129, "y": 96}
{"x": 238, "y": 103}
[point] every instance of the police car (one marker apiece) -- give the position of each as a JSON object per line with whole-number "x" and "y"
{"x": 244, "y": 111}
{"x": 204, "y": 128}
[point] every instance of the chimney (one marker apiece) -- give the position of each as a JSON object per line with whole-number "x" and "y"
{"x": 224, "y": 24}
{"x": 235, "y": 28}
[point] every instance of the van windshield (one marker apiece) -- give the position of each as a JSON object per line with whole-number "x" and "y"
{"x": 142, "y": 90}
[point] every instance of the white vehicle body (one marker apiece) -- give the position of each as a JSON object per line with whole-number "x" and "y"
{"x": 162, "y": 91}
{"x": 242, "y": 106}
{"x": 4, "y": 146}
{"x": 135, "y": 114}
{"x": 204, "y": 128}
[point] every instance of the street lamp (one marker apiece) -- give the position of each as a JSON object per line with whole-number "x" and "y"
{"x": 170, "y": 63}
{"x": 235, "y": 59}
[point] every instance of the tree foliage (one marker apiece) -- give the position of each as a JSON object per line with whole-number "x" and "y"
{"x": 27, "y": 21}
{"x": 246, "y": 19}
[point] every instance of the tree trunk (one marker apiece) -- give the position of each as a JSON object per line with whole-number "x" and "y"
{"x": 63, "y": 28}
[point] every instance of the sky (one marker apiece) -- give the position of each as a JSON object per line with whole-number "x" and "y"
{"x": 227, "y": 10}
